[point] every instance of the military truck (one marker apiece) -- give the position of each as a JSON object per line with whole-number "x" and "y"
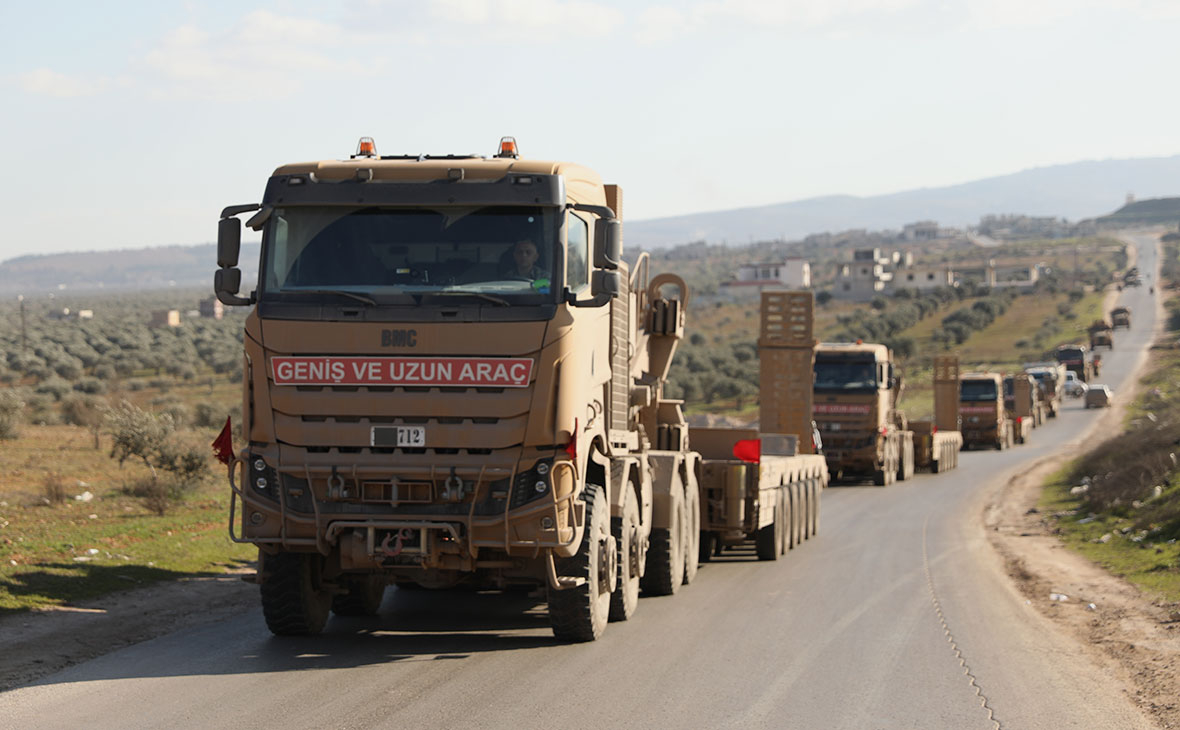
{"x": 981, "y": 407}
{"x": 937, "y": 443}
{"x": 1078, "y": 359}
{"x": 1101, "y": 334}
{"x": 763, "y": 484}
{"x": 1120, "y": 317}
{"x": 451, "y": 376}
{"x": 1050, "y": 378}
{"x": 856, "y": 394}
{"x": 1022, "y": 404}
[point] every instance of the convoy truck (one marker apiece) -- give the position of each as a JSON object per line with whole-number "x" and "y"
{"x": 1022, "y": 405}
{"x": 937, "y": 443}
{"x": 1101, "y": 334}
{"x": 451, "y": 376}
{"x": 1051, "y": 379}
{"x": 1078, "y": 359}
{"x": 1120, "y": 317}
{"x": 981, "y": 406}
{"x": 856, "y": 394}
{"x": 764, "y": 484}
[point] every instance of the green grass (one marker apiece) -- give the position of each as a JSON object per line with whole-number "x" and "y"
{"x": 1148, "y": 560}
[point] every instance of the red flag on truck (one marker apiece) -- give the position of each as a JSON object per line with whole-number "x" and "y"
{"x": 223, "y": 445}
{"x": 748, "y": 450}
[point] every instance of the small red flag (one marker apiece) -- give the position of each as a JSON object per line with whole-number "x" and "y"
{"x": 223, "y": 445}
{"x": 748, "y": 450}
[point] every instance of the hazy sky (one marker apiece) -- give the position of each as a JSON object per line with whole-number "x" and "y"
{"x": 130, "y": 124}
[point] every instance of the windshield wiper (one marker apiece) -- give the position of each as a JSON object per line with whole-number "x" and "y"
{"x": 342, "y": 292}
{"x": 478, "y": 294}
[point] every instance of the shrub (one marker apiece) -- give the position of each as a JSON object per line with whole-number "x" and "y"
{"x": 11, "y": 414}
{"x": 90, "y": 385}
{"x": 54, "y": 488}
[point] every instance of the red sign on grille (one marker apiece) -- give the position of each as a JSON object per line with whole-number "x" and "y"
{"x": 469, "y": 372}
{"x": 841, "y": 408}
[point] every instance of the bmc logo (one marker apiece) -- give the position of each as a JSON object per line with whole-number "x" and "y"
{"x": 399, "y": 338}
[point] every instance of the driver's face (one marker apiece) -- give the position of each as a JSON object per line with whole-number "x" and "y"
{"x": 525, "y": 256}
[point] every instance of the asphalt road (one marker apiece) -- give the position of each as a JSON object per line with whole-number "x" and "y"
{"x": 897, "y": 616}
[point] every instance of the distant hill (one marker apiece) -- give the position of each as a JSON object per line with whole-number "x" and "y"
{"x": 1075, "y": 191}
{"x": 1145, "y": 212}
{"x": 133, "y": 268}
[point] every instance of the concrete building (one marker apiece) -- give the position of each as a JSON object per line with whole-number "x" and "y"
{"x": 165, "y": 318}
{"x": 751, "y": 279}
{"x": 923, "y": 279}
{"x": 211, "y": 308}
{"x": 866, "y": 277}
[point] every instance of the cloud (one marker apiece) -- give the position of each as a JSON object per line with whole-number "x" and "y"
{"x": 47, "y": 82}
{"x": 664, "y": 20}
{"x": 562, "y": 18}
{"x": 993, "y": 14}
{"x": 264, "y": 55}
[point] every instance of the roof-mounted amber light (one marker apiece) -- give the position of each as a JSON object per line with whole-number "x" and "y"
{"x": 366, "y": 147}
{"x": 508, "y": 148}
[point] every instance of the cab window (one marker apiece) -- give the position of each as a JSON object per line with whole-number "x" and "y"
{"x": 577, "y": 252}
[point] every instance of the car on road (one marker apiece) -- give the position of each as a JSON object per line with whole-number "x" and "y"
{"x": 1075, "y": 387}
{"x": 1099, "y": 396}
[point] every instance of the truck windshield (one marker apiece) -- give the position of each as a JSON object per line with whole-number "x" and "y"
{"x": 1068, "y": 355}
{"x": 977, "y": 390}
{"x": 501, "y": 254}
{"x": 840, "y": 374}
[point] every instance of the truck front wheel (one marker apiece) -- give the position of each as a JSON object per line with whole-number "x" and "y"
{"x": 294, "y": 600}
{"x": 665, "y": 556}
{"x": 364, "y": 596}
{"x": 580, "y": 613}
{"x": 625, "y": 598}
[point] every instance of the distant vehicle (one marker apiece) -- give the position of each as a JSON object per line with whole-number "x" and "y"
{"x": 1074, "y": 387}
{"x": 1120, "y": 317}
{"x": 1099, "y": 396}
{"x": 1101, "y": 334}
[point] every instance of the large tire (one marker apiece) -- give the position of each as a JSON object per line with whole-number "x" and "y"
{"x": 692, "y": 531}
{"x": 785, "y": 513}
{"x": 905, "y": 468}
{"x": 294, "y": 600}
{"x": 580, "y": 613}
{"x": 767, "y": 539}
{"x": 664, "y": 573}
{"x": 625, "y": 598}
{"x": 364, "y": 596}
{"x": 816, "y": 489}
{"x": 884, "y": 477}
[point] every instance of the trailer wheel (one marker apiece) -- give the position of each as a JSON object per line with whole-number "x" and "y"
{"x": 787, "y": 515}
{"x": 692, "y": 530}
{"x": 580, "y": 613}
{"x": 768, "y": 538}
{"x": 906, "y": 469}
{"x": 705, "y": 549}
{"x": 665, "y": 556}
{"x": 294, "y": 600}
{"x": 625, "y": 598}
{"x": 364, "y": 596}
{"x": 816, "y": 488}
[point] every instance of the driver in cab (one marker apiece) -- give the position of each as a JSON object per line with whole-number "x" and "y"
{"x": 524, "y": 262}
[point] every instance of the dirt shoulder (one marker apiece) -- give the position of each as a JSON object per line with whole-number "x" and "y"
{"x": 1136, "y": 639}
{"x": 39, "y": 643}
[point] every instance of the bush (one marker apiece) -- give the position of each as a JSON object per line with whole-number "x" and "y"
{"x": 12, "y": 410}
{"x": 152, "y": 439}
{"x": 55, "y": 387}
{"x": 54, "y": 488}
{"x": 90, "y": 385}
{"x": 210, "y": 415}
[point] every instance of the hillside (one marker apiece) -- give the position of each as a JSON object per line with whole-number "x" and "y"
{"x": 126, "y": 269}
{"x": 1075, "y": 191}
{"x": 1145, "y": 212}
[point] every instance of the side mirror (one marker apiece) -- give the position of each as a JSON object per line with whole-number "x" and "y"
{"x": 604, "y": 286}
{"x": 607, "y": 283}
{"x": 229, "y": 242}
{"x": 608, "y": 243}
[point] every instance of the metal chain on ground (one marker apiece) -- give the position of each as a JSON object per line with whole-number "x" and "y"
{"x": 983, "y": 700}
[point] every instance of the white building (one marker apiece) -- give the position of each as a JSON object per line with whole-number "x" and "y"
{"x": 751, "y": 279}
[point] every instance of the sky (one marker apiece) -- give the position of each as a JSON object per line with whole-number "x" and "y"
{"x": 132, "y": 124}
